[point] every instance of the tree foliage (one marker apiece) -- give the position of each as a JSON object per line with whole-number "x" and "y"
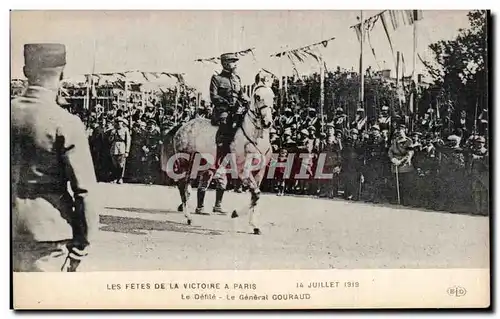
{"x": 459, "y": 68}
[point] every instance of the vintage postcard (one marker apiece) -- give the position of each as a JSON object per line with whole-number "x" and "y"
{"x": 250, "y": 159}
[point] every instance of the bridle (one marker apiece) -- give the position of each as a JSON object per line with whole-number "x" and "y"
{"x": 256, "y": 118}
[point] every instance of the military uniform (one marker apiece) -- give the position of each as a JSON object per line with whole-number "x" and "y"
{"x": 51, "y": 228}
{"x": 151, "y": 150}
{"x": 451, "y": 173}
{"x": 374, "y": 170}
{"x": 401, "y": 154}
{"x": 229, "y": 103}
{"x": 226, "y": 94}
{"x": 359, "y": 121}
{"x": 480, "y": 177}
{"x": 333, "y": 161}
{"x": 352, "y": 160}
{"x": 340, "y": 120}
{"x": 120, "y": 149}
{"x": 136, "y": 160}
{"x": 384, "y": 120}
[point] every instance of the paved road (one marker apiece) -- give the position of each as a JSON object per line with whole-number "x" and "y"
{"x": 141, "y": 230}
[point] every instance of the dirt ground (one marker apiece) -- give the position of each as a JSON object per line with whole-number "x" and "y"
{"x": 140, "y": 229}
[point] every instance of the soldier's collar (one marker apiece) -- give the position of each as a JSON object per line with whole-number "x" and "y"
{"x": 41, "y": 92}
{"x": 224, "y": 71}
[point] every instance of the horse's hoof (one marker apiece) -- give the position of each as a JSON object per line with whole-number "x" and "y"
{"x": 256, "y": 231}
{"x": 180, "y": 208}
{"x": 234, "y": 214}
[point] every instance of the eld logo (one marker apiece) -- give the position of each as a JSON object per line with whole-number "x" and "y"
{"x": 456, "y": 291}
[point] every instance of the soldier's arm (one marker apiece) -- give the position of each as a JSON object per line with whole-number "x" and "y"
{"x": 80, "y": 172}
{"x": 214, "y": 96}
{"x": 391, "y": 155}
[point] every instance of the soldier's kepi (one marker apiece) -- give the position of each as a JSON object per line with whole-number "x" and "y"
{"x": 51, "y": 229}
{"x": 229, "y": 103}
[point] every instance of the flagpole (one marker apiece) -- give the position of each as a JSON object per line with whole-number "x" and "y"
{"x": 87, "y": 94}
{"x": 361, "y": 73}
{"x": 414, "y": 95}
{"x": 322, "y": 90}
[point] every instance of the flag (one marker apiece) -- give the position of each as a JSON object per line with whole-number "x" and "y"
{"x": 383, "y": 19}
{"x": 357, "y": 28}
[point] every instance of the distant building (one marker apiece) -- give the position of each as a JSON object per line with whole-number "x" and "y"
{"x": 385, "y": 75}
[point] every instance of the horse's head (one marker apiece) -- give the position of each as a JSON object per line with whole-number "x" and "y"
{"x": 263, "y": 99}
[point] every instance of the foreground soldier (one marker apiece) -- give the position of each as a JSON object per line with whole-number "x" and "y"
{"x": 480, "y": 176}
{"x": 51, "y": 229}
{"x": 400, "y": 155}
{"x": 120, "y": 148}
{"x": 229, "y": 103}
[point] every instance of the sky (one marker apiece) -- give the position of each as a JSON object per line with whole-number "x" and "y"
{"x": 170, "y": 41}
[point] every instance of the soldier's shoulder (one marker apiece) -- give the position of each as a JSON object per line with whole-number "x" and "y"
{"x": 26, "y": 110}
{"x": 69, "y": 124}
{"x": 217, "y": 76}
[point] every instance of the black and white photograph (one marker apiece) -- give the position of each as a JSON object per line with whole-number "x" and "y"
{"x": 231, "y": 140}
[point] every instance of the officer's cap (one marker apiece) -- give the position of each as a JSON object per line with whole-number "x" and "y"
{"x": 123, "y": 120}
{"x": 454, "y": 138}
{"x": 354, "y": 131}
{"x": 288, "y": 110}
{"x": 44, "y": 55}
{"x": 339, "y": 110}
{"x": 360, "y": 110}
{"x": 229, "y": 57}
{"x": 417, "y": 134}
{"x": 385, "y": 108}
{"x": 151, "y": 121}
{"x": 311, "y": 128}
{"x": 311, "y": 109}
{"x": 330, "y": 125}
{"x": 304, "y": 131}
{"x": 402, "y": 126}
{"x": 376, "y": 127}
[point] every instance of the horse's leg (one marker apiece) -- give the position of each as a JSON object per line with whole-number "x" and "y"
{"x": 181, "y": 186}
{"x": 254, "y": 184}
{"x": 185, "y": 190}
{"x": 186, "y": 206}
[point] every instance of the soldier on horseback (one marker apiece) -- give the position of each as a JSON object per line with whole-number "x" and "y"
{"x": 230, "y": 103}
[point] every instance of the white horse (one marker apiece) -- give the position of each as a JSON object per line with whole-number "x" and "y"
{"x": 194, "y": 143}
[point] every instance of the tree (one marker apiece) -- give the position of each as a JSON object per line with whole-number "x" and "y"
{"x": 459, "y": 68}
